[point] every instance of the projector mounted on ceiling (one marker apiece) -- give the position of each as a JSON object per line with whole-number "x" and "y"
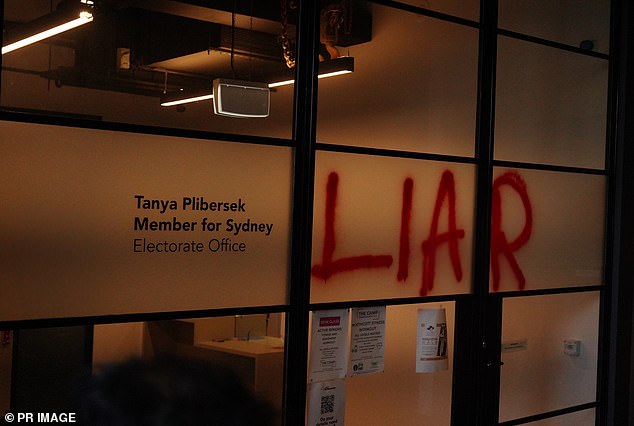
{"x": 237, "y": 98}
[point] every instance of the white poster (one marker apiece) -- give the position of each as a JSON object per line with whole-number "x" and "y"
{"x": 329, "y": 344}
{"x": 327, "y": 403}
{"x": 367, "y": 341}
{"x": 431, "y": 344}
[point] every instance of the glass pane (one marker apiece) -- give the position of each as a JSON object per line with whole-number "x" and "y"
{"x": 469, "y": 9}
{"x": 413, "y": 88}
{"x": 551, "y": 106}
{"x": 123, "y": 64}
{"x": 380, "y": 225}
{"x": 256, "y": 361}
{"x": 399, "y": 395}
{"x": 543, "y": 370}
{"x": 547, "y": 230}
{"x": 581, "y": 418}
{"x": 131, "y": 223}
{"x": 566, "y": 21}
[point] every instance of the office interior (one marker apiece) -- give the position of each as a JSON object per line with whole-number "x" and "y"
{"x": 467, "y": 157}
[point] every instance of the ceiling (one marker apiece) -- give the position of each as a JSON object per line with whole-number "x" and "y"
{"x": 174, "y": 44}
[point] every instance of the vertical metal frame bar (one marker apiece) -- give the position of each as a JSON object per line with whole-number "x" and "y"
{"x": 304, "y": 137}
{"x": 488, "y": 309}
{"x": 475, "y": 392}
{"x": 615, "y": 379}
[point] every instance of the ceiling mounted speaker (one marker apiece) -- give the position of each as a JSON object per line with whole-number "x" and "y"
{"x": 236, "y": 98}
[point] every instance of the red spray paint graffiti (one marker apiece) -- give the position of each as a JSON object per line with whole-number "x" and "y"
{"x": 500, "y": 246}
{"x": 406, "y": 218}
{"x": 446, "y": 189}
{"x": 330, "y": 266}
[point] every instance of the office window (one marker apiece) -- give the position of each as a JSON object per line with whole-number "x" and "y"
{"x": 547, "y": 230}
{"x": 580, "y": 418}
{"x": 549, "y": 350}
{"x": 130, "y": 223}
{"x": 380, "y": 225}
{"x": 121, "y": 66}
{"x": 399, "y": 394}
{"x": 413, "y": 88}
{"x": 550, "y": 106}
{"x": 571, "y": 22}
{"x": 468, "y": 9}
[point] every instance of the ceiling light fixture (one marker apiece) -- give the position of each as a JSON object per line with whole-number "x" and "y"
{"x": 180, "y": 98}
{"x": 82, "y": 17}
{"x": 330, "y": 68}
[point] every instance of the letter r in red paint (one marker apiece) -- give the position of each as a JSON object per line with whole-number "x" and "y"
{"x": 500, "y": 246}
{"x": 330, "y": 266}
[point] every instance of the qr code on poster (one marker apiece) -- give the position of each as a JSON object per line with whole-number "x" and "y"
{"x": 327, "y": 404}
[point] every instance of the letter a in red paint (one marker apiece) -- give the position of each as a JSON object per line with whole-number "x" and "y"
{"x": 499, "y": 243}
{"x": 330, "y": 266}
{"x": 446, "y": 189}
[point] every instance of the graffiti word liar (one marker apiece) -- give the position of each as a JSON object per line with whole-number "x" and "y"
{"x": 501, "y": 246}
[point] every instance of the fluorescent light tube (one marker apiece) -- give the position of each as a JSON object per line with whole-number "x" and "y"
{"x": 281, "y": 83}
{"x": 84, "y": 18}
{"x": 331, "y": 68}
{"x": 187, "y": 100}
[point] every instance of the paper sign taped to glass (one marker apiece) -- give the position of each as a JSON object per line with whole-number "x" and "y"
{"x": 327, "y": 403}
{"x": 367, "y": 341}
{"x": 431, "y": 344}
{"x": 329, "y": 345}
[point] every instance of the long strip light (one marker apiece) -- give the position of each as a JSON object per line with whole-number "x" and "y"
{"x": 186, "y": 100}
{"x": 331, "y": 68}
{"x": 84, "y": 18}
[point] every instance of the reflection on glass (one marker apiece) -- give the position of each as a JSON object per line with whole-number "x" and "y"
{"x": 551, "y": 106}
{"x": 571, "y": 22}
{"x": 538, "y": 375}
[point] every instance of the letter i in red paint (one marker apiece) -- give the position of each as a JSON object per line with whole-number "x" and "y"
{"x": 406, "y": 218}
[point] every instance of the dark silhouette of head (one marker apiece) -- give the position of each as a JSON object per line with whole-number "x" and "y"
{"x": 170, "y": 392}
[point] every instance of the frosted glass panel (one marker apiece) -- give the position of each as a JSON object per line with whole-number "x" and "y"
{"x": 547, "y": 230}
{"x": 540, "y": 376}
{"x": 581, "y": 418}
{"x": 551, "y": 106}
{"x": 132, "y": 223}
{"x": 380, "y": 225}
{"x": 413, "y": 88}
{"x": 565, "y": 21}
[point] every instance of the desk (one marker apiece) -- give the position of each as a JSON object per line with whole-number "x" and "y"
{"x": 259, "y": 361}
